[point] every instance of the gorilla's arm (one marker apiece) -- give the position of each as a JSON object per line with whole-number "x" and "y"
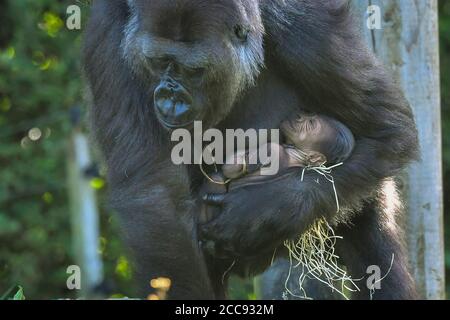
{"x": 314, "y": 46}
{"x": 374, "y": 239}
{"x": 151, "y": 195}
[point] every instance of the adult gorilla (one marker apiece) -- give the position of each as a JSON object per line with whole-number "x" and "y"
{"x": 153, "y": 66}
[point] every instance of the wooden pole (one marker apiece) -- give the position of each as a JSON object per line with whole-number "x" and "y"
{"x": 85, "y": 225}
{"x": 408, "y": 44}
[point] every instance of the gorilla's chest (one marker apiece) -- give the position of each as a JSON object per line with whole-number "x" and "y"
{"x": 263, "y": 106}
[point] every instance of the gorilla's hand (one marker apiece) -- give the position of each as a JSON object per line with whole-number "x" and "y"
{"x": 259, "y": 217}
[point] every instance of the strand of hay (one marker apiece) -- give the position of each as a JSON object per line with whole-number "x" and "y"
{"x": 313, "y": 253}
{"x": 325, "y": 172}
{"x": 373, "y": 286}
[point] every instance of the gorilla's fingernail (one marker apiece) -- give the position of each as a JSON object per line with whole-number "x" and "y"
{"x": 215, "y": 199}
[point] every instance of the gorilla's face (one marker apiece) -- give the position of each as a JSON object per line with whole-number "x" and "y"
{"x": 196, "y": 55}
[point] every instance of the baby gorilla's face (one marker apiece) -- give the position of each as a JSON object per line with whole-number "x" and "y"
{"x": 320, "y": 138}
{"x": 310, "y": 133}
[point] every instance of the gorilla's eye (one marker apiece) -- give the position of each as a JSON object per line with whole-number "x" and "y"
{"x": 195, "y": 74}
{"x": 160, "y": 64}
{"x": 241, "y": 32}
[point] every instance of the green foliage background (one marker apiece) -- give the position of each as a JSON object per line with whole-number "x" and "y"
{"x": 39, "y": 82}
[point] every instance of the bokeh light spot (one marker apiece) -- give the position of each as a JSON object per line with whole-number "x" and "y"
{"x": 51, "y": 24}
{"x": 161, "y": 283}
{"x": 97, "y": 183}
{"x": 47, "y": 198}
{"x": 47, "y": 133}
{"x": 10, "y": 53}
{"x": 25, "y": 142}
{"x": 35, "y": 134}
{"x": 123, "y": 269}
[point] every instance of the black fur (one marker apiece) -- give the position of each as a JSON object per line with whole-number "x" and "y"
{"x": 313, "y": 60}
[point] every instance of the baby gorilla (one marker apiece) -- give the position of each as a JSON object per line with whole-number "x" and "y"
{"x": 310, "y": 140}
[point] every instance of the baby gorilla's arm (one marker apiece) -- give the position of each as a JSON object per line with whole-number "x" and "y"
{"x": 241, "y": 169}
{"x": 310, "y": 140}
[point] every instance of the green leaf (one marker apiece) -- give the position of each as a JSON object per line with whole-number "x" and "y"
{"x": 19, "y": 295}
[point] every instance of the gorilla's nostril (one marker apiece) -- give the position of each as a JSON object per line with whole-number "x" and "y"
{"x": 174, "y": 105}
{"x": 173, "y": 112}
{"x": 181, "y": 108}
{"x": 165, "y": 107}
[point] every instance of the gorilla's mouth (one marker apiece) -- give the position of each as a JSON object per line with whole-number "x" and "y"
{"x": 174, "y": 106}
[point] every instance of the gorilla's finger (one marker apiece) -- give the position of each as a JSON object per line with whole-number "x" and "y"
{"x": 214, "y": 199}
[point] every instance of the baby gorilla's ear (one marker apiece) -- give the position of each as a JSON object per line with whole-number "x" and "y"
{"x": 316, "y": 158}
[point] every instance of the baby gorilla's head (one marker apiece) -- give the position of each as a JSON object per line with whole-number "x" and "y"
{"x": 319, "y": 138}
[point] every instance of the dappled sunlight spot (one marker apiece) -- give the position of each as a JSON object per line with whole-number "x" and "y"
{"x": 51, "y": 24}
{"x": 161, "y": 283}
{"x": 392, "y": 204}
{"x": 162, "y": 286}
{"x": 97, "y": 183}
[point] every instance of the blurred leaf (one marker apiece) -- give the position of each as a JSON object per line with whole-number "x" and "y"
{"x": 97, "y": 183}
{"x": 52, "y": 24}
{"x": 123, "y": 269}
{"x": 19, "y": 295}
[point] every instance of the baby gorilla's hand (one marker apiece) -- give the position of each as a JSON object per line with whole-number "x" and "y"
{"x": 248, "y": 196}
{"x": 248, "y": 166}
{"x": 242, "y": 163}
{"x": 257, "y": 217}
